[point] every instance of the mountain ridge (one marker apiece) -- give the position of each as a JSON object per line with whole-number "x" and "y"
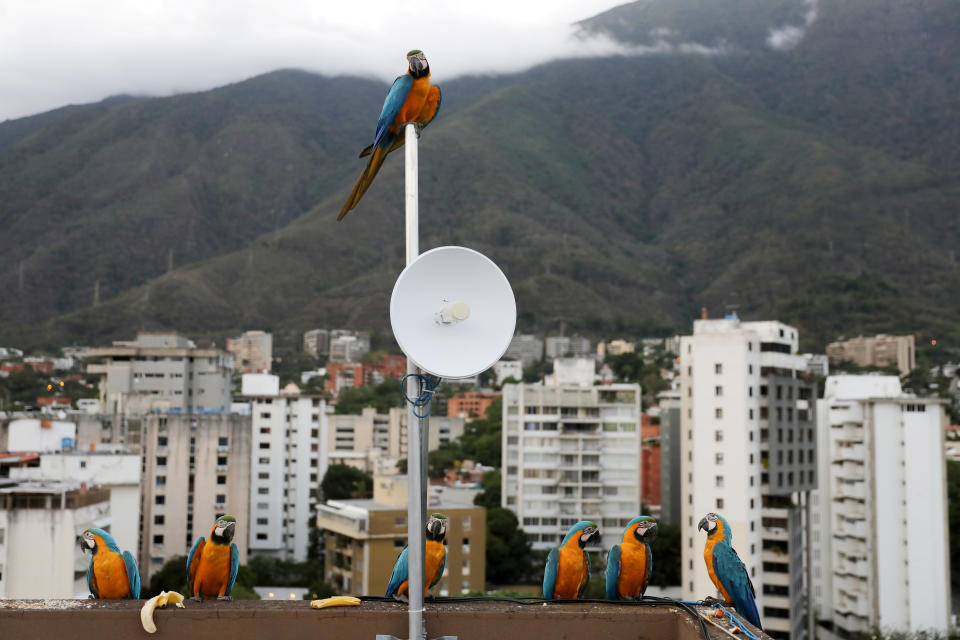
{"x": 619, "y": 195}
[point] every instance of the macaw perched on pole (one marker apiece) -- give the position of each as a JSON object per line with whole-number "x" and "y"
{"x": 726, "y": 570}
{"x": 411, "y": 99}
{"x": 568, "y": 566}
{"x": 212, "y": 566}
{"x": 630, "y": 563}
{"x": 111, "y": 575}
{"x": 436, "y": 560}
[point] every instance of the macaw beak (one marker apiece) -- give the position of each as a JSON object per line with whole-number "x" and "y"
{"x": 651, "y": 530}
{"x": 703, "y": 525}
{"x": 417, "y": 64}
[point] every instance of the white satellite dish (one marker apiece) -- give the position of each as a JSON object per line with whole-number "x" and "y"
{"x": 453, "y": 312}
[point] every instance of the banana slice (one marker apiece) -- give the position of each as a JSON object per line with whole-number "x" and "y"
{"x": 162, "y": 600}
{"x": 335, "y": 601}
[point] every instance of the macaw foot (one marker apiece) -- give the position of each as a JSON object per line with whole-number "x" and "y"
{"x": 197, "y": 598}
{"x": 91, "y": 597}
{"x": 226, "y": 598}
{"x": 712, "y": 600}
{"x": 402, "y": 598}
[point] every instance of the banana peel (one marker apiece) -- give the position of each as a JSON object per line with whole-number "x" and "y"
{"x": 162, "y": 600}
{"x": 335, "y": 601}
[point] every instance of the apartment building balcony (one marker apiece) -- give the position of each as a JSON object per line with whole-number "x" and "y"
{"x": 848, "y": 470}
{"x": 845, "y": 489}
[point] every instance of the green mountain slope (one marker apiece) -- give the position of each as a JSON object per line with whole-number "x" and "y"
{"x": 618, "y": 194}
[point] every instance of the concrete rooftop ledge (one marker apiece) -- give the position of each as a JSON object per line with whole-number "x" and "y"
{"x": 295, "y": 620}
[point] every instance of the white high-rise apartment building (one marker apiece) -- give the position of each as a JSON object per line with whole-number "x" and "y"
{"x": 195, "y": 468}
{"x": 162, "y": 371}
{"x": 571, "y": 452}
{"x": 39, "y": 525}
{"x": 879, "y": 518}
{"x": 748, "y": 450}
{"x": 288, "y": 460}
{"x": 252, "y": 351}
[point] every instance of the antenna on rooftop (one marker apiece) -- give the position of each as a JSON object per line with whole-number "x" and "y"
{"x": 453, "y": 314}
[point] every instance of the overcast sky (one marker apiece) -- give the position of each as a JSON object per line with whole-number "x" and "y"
{"x": 58, "y": 52}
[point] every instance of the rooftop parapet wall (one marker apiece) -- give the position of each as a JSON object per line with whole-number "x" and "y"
{"x": 295, "y": 620}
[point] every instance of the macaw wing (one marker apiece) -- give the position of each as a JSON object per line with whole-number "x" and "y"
{"x": 550, "y": 573}
{"x": 92, "y": 580}
{"x": 583, "y": 586}
{"x": 193, "y": 562}
{"x": 733, "y": 576}
{"x": 401, "y": 572}
{"x": 613, "y": 572}
{"x": 234, "y": 566}
{"x": 443, "y": 565}
{"x": 133, "y": 574}
{"x": 391, "y": 106}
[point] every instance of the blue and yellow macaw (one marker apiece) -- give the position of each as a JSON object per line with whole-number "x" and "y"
{"x": 436, "y": 560}
{"x": 568, "y": 566}
{"x": 411, "y": 99}
{"x": 726, "y": 570}
{"x": 111, "y": 575}
{"x": 212, "y": 566}
{"x": 630, "y": 563}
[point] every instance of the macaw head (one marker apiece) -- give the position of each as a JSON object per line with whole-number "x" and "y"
{"x": 418, "y": 63}
{"x": 715, "y": 524}
{"x": 437, "y": 527}
{"x": 223, "y": 529}
{"x": 643, "y": 528}
{"x": 585, "y": 532}
{"x": 94, "y": 539}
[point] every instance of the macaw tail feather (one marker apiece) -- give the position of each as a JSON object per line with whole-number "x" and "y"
{"x": 397, "y": 143}
{"x": 747, "y": 607}
{"x": 364, "y": 181}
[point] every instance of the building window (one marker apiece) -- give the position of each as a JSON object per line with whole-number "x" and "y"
{"x": 465, "y": 523}
{"x": 264, "y": 445}
{"x": 161, "y": 481}
{"x": 220, "y": 498}
{"x": 161, "y": 441}
{"x": 221, "y": 461}
{"x": 718, "y": 391}
{"x": 718, "y": 458}
{"x": 261, "y": 536}
{"x": 719, "y": 481}
{"x": 265, "y": 415}
{"x": 719, "y": 503}
{"x": 263, "y": 521}
{"x": 223, "y": 441}
{"x": 158, "y": 519}
{"x": 750, "y": 391}
{"x": 158, "y": 539}
{"x": 751, "y": 414}
{"x": 161, "y": 461}
{"x": 263, "y": 491}
{"x": 263, "y": 475}
{"x": 221, "y": 479}
{"x": 763, "y": 390}
{"x": 718, "y": 412}
{"x": 718, "y": 368}
{"x": 718, "y": 435}
{"x": 159, "y": 500}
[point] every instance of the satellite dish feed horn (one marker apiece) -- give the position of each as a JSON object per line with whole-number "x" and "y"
{"x": 453, "y": 312}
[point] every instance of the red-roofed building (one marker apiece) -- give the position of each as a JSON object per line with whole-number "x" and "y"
{"x": 386, "y": 367}
{"x": 54, "y": 401}
{"x": 344, "y": 375}
{"x": 470, "y": 403}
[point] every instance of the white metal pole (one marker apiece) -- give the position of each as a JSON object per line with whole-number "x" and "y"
{"x": 416, "y": 506}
